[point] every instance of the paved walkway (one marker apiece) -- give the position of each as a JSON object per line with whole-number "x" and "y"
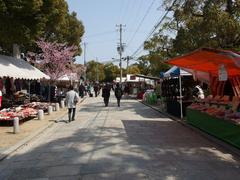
{"x": 130, "y": 142}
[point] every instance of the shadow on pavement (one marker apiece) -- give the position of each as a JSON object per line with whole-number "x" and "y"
{"x": 140, "y": 150}
{"x": 133, "y": 106}
{"x": 152, "y": 148}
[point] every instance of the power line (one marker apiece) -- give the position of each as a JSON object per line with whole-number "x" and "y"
{"x": 100, "y": 34}
{"x": 103, "y": 41}
{"x": 129, "y": 8}
{"x": 121, "y": 12}
{"x": 154, "y": 29}
{"x": 134, "y": 19}
{"x": 140, "y": 24}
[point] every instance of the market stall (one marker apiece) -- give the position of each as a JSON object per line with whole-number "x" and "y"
{"x": 16, "y": 78}
{"x": 176, "y": 85}
{"x": 219, "y": 113}
{"x": 134, "y": 84}
{"x": 148, "y": 94}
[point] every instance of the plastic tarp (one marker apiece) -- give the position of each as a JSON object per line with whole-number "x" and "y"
{"x": 19, "y": 69}
{"x": 208, "y": 60}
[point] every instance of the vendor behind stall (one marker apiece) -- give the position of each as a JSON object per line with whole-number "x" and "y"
{"x": 158, "y": 89}
{"x": 198, "y": 92}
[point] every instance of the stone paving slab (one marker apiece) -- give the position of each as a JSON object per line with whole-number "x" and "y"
{"x": 128, "y": 142}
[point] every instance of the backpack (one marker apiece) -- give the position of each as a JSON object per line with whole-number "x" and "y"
{"x": 118, "y": 92}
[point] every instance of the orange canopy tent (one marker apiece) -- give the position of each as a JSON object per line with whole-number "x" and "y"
{"x": 208, "y": 61}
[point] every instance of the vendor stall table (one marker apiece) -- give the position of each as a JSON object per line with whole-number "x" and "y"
{"x": 220, "y": 128}
{"x": 173, "y": 107}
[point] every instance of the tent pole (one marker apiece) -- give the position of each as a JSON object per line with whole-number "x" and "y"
{"x": 29, "y": 89}
{"x": 180, "y": 93}
{"x": 49, "y": 92}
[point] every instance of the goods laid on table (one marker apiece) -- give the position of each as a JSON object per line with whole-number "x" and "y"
{"x": 220, "y": 107}
{"x": 38, "y": 105}
{"x": 29, "y": 110}
{"x": 150, "y": 97}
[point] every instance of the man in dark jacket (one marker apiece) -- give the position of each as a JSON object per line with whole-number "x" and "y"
{"x": 118, "y": 93}
{"x": 96, "y": 89}
{"x": 106, "y": 94}
{"x": 81, "y": 90}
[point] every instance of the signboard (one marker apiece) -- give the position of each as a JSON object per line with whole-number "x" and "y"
{"x": 132, "y": 77}
{"x": 222, "y": 73}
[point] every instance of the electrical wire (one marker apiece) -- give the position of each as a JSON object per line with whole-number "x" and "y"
{"x": 135, "y": 53}
{"x": 134, "y": 19}
{"x": 100, "y": 34}
{"x": 130, "y": 9}
{"x": 121, "y": 12}
{"x": 141, "y": 22}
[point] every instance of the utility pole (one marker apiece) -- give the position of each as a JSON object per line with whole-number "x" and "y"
{"x": 85, "y": 62}
{"x": 97, "y": 79}
{"x": 120, "y": 49}
{"x": 128, "y": 58}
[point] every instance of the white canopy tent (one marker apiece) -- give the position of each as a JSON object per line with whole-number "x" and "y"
{"x": 69, "y": 77}
{"x": 19, "y": 69}
{"x": 177, "y": 72}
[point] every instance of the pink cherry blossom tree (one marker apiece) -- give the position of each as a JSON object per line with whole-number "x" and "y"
{"x": 55, "y": 59}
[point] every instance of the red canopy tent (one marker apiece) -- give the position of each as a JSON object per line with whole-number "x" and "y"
{"x": 206, "y": 61}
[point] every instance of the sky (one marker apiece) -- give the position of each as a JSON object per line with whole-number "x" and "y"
{"x": 100, "y": 18}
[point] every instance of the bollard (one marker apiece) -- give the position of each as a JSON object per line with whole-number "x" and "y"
{"x": 62, "y": 104}
{"x": 16, "y": 128}
{"x": 40, "y": 114}
{"x": 50, "y": 110}
{"x": 57, "y": 106}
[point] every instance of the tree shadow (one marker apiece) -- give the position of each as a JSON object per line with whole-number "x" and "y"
{"x": 139, "y": 150}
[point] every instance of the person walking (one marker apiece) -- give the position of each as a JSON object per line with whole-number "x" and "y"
{"x": 106, "y": 94}
{"x": 96, "y": 89}
{"x": 72, "y": 99}
{"x": 81, "y": 90}
{"x": 118, "y": 93}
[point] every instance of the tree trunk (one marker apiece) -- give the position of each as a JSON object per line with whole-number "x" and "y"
{"x": 16, "y": 51}
{"x": 229, "y": 8}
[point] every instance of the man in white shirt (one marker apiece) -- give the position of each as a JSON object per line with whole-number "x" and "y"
{"x": 72, "y": 99}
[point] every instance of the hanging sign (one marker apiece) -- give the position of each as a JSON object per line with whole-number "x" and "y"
{"x": 0, "y": 98}
{"x": 222, "y": 73}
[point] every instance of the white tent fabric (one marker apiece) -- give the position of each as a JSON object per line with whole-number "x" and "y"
{"x": 69, "y": 77}
{"x": 19, "y": 69}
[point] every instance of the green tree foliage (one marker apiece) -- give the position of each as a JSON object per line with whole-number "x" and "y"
{"x": 206, "y": 23}
{"x": 111, "y": 72}
{"x": 95, "y": 71}
{"x": 133, "y": 69}
{"x": 143, "y": 65}
{"x": 195, "y": 24}
{"x": 24, "y": 22}
{"x": 159, "y": 47}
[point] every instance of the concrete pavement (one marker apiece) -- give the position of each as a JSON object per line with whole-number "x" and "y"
{"x": 130, "y": 142}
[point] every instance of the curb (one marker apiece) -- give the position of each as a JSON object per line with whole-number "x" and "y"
{"x": 26, "y": 140}
{"x": 222, "y": 144}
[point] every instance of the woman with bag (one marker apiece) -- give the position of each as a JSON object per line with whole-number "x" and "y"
{"x": 72, "y": 99}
